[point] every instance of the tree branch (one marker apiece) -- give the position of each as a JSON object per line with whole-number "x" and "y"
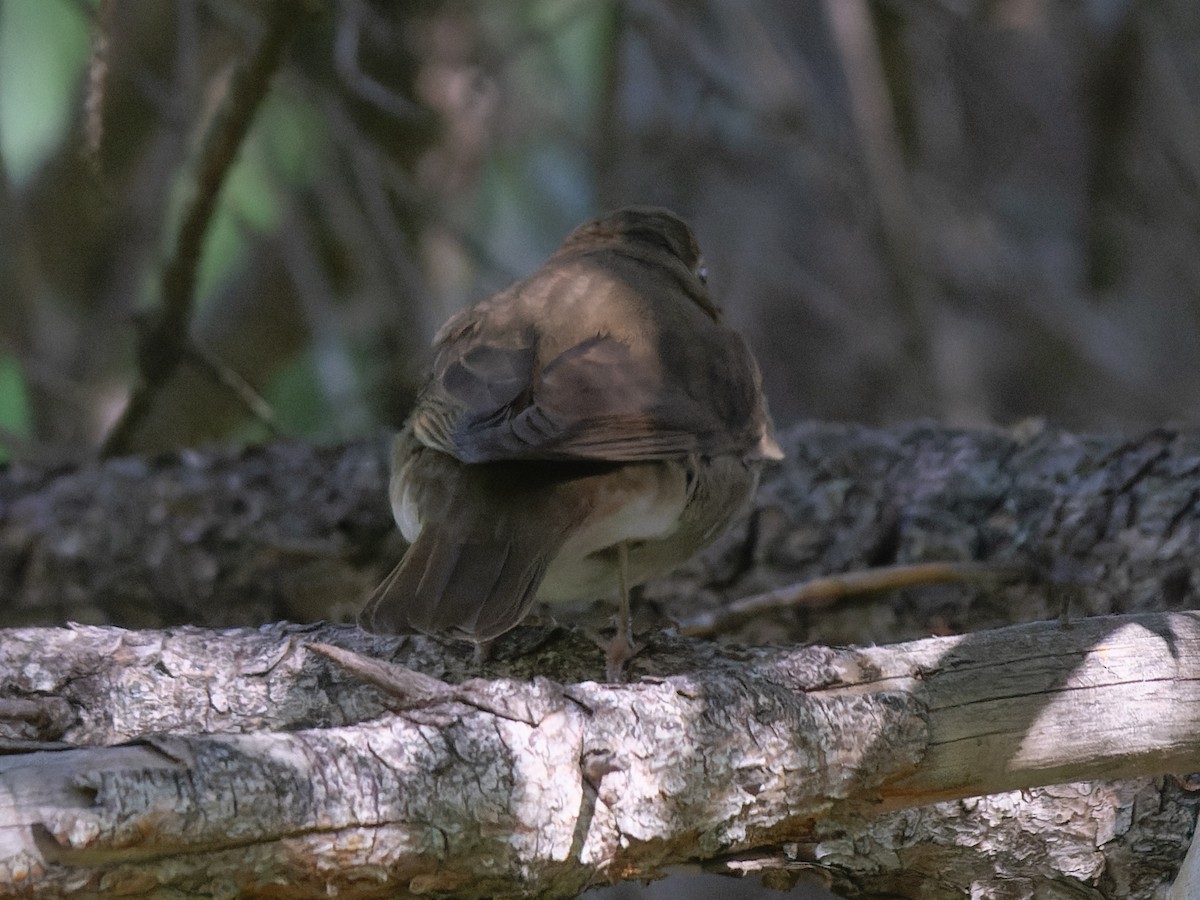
{"x": 289, "y": 531}
{"x": 243, "y": 759}
{"x": 163, "y": 344}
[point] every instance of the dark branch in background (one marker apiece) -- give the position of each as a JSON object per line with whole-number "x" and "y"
{"x": 606, "y": 138}
{"x": 162, "y": 345}
{"x": 350, "y": 71}
{"x": 856, "y": 44}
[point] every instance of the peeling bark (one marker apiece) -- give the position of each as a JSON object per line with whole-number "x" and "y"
{"x": 241, "y": 759}
{"x": 239, "y": 763}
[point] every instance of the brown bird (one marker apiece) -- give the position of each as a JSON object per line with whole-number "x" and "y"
{"x": 585, "y": 430}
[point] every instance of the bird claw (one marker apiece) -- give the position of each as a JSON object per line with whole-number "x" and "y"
{"x": 617, "y": 652}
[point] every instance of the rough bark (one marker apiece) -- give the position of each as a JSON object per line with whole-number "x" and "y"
{"x": 234, "y": 537}
{"x": 291, "y": 531}
{"x": 243, "y": 763}
{"x": 288, "y": 531}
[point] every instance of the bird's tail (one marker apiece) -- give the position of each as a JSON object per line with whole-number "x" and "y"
{"x": 466, "y": 576}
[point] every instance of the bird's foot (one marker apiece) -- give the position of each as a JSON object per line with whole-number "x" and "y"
{"x": 619, "y": 651}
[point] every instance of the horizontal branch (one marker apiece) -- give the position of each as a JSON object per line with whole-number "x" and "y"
{"x": 289, "y": 531}
{"x": 246, "y": 759}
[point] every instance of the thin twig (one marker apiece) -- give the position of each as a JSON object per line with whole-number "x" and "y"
{"x": 410, "y": 689}
{"x": 163, "y": 345}
{"x": 827, "y": 590}
{"x": 217, "y": 369}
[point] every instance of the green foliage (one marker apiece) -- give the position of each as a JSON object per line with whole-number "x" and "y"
{"x": 43, "y": 52}
{"x": 533, "y": 183}
{"x": 14, "y": 405}
{"x": 284, "y": 145}
{"x": 542, "y": 181}
{"x": 296, "y": 397}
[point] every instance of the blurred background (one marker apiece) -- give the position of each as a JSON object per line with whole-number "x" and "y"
{"x": 973, "y": 210}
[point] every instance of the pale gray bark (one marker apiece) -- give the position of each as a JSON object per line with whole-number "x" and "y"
{"x": 242, "y": 763}
{"x": 261, "y": 761}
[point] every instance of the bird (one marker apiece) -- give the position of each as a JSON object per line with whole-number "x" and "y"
{"x": 583, "y": 431}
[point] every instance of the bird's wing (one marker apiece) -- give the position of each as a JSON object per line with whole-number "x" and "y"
{"x": 518, "y": 379}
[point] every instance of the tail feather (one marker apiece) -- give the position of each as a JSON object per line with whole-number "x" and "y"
{"x": 466, "y": 588}
{"x": 485, "y": 536}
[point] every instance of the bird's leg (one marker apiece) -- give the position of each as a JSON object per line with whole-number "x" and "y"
{"x": 483, "y": 652}
{"x": 622, "y": 648}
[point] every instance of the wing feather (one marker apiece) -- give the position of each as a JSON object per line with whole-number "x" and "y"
{"x": 584, "y": 362}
